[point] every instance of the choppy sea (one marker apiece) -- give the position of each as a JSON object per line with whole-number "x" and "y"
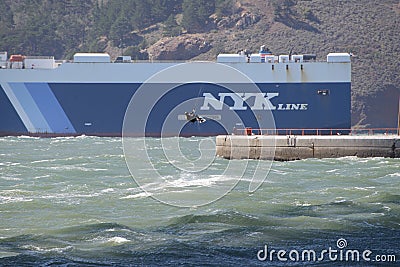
{"x": 73, "y": 202}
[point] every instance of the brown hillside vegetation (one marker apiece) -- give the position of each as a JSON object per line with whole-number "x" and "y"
{"x": 368, "y": 29}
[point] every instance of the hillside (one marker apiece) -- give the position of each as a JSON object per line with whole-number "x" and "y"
{"x": 199, "y": 30}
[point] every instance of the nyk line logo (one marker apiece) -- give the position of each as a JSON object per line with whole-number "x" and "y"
{"x": 259, "y": 101}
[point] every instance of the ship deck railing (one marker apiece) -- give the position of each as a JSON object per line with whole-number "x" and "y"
{"x": 215, "y": 61}
{"x": 39, "y": 57}
{"x": 307, "y": 131}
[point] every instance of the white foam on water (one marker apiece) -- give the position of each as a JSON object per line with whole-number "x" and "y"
{"x": 139, "y": 195}
{"x": 362, "y": 188}
{"x": 334, "y": 170}
{"x": 340, "y": 200}
{"x": 42, "y": 176}
{"x": 27, "y": 137}
{"x": 117, "y": 240}
{"x": 64, "y": 138}
{"x": 7, "y": 200}
{"x": 69, "y": 197}
{"x": 386, "y": 208}
{"x": 10, "y": 164}
{"x": 14, "y": 196}
{"x": 6, "y": 254}
{"x": 7, "y": 178}
{"x": 44, "y": 161}
{"x": 42, "y": 249}
{"x": 107, "y": 190}
{"x": 190, "y": 180}
{"x": 302, "y": 204}
{"x": 75, "y": 168}
{"x": 110, "y": 156}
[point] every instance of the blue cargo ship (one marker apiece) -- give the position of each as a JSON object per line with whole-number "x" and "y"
{"x": 91, "y": 95}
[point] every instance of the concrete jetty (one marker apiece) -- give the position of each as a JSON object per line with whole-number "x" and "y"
{"x": 293, "y": 147}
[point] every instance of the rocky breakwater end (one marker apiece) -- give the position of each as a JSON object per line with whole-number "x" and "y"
{"x": 285, "y": 148}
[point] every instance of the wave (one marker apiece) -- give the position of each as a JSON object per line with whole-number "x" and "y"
{"x": 47, "y": 249}
{"x": 222, "y": 217}
{"x": 138, "y": 195}
{"x": 73, "y": 168}
{"x": 117, "y": 240}
{"x": 7, "y": 254}
{"x": 14, "y": 199}
{"x": 190, "y": 180}
{"x": 8, "y": 178}
{"x": 214, "y": 238}
{"x": 21, "y": 137}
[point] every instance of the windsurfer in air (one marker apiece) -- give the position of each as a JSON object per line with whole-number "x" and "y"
{"x": 193, "y": 117}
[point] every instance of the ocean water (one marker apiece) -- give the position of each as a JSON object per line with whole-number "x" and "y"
{"x": 73, "y": 202}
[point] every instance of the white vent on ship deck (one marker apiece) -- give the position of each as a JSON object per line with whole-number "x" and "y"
{"x": 338, "y": 58}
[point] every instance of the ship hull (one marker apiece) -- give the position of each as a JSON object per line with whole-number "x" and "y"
{"x": 115, "y": 99}
{"x": 70, "y": 109}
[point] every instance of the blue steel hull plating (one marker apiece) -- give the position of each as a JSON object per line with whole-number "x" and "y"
{"x": 59, "y": 109}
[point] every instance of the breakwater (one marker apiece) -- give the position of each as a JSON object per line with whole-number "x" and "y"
{"x": 303, "y": 147}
